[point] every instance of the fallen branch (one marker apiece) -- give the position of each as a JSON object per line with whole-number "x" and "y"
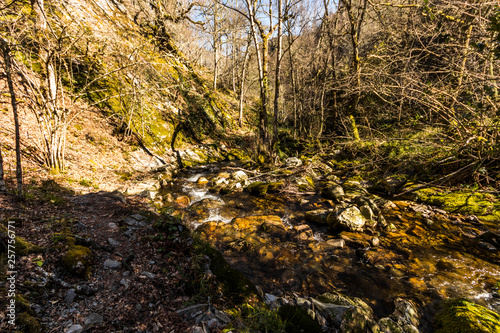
{"x": 435, "y": 181}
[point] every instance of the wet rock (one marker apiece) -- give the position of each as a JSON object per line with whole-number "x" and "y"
{"x": 257, "y": 221}
{"x": 460, "y": 315}
{"x": 353, "y": 188}
{"x": 318, "y": 216}
{"x": 333, "y": 192}
{"x": 182, "y": 201}
{"x": 112, "y": 264}
{"x": 334, "y": 243}
{"x": 293, "y": 162}
{"x": 202, "y": 181}
{"x": 348, "y": 219}
{"x": 359, "y": 317}
{"x": 260, "y": 188}
{"x": 334, "y": 311}
{"x": 375, "y": 241}
{"x": 93, "y": 319}
{"x": 303, "y": 232}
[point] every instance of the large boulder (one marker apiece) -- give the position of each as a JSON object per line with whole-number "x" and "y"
{"x": 350, "y": 219}
{"x": 404, "y": 319}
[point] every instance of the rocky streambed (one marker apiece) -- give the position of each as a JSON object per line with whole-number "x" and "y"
{"x": 305, "y": 237}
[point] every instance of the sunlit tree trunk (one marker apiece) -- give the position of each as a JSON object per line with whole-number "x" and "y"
{"x": 278, "y": 73}
{"x": 8, "y": 72}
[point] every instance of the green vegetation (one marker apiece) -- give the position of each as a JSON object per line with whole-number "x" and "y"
{"x": 78, "y": 260}
{"x": 463, "y": 316}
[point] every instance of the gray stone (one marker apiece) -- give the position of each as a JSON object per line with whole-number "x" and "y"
{"x": 149, "y": 275}
{"x": 335, "y": 311}
{"x": 112, "y": 264}
{"x": 70, "y": 296}
{"x": 113, "y": 242}
{"x": 112, "y": 225}
{"x": 75, "y": 329}
{"x": 93, "y": 319}
{"x": 138, "y": 217}
{"x": 349, "y": 219}
{"x": 270, "y": 299}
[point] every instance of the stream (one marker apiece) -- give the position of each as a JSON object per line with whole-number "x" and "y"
{"x": 422, "y": 253}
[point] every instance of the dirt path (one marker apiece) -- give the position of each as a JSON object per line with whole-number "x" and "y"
{"x": 137, "y": 268}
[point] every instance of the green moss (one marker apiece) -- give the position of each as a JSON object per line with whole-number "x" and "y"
{"x": 23, "y": 247}
{"x": 298, "y": 320}
{"x": 28, "y": 323}
{"x": 484, "y": 205}
{"x": 256, "y": 318}
{"x": 78, "y": 260}
{"x": 261, "y": 188}
{"x": 234, "y": 284}
{"x": 462, "y": 316}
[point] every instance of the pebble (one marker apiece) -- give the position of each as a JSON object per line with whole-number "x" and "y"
{"x": 113, "y": 242}
{"x": 375, "y": 241}
{"x": 112, "y": 225}
{"x": 70, "y": 296}
{"x": 75, "y": 329}
{"x": 93, "y": 319}
{"x": 149, "y": 275}
{"x": 112, "y": 264}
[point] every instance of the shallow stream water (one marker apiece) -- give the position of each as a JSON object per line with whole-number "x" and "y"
{"x": 418, "y": 259}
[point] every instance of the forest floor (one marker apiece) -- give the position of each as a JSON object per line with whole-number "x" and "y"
{"x": 77, "y": 208}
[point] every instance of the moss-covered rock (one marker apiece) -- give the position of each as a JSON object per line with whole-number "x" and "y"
{"x": 234, "y": 284}
{"x": 462, "y": 316}
{"x": 23, "y": 247}
{"x": 78, "y": 260}
{"x": 27, "y": 323}
{"x": 298, "y": 320}
{"x": 261, "y": 188}
{"x": 485, "y": 205}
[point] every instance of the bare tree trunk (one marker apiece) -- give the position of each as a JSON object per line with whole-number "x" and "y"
{"x": 3, "y": 189}
{"x": 242, "y": 84}
{"x": 278, "y": 74}
{"x": 294, "y": 90}
{"x": 13, "y": 100}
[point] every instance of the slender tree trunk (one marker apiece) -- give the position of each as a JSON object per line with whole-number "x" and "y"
{"x": 3, "y": 189}
{"x": 262, "y": 68}
{"x": 13, "y": 100}
{"x": 242, "y": 84}
{"x": 294, "y": 90}
{"x": 278, "y": 74}
{"x": 216, "y": 61}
